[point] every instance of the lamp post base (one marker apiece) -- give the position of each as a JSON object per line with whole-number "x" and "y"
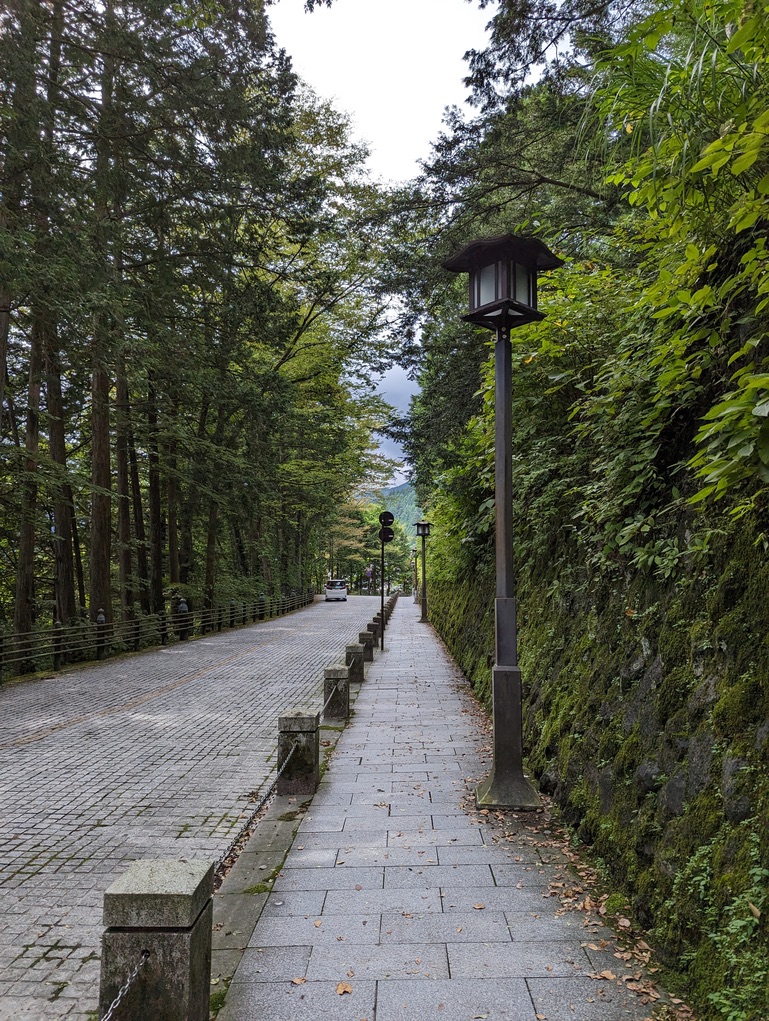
{"x": 514, "y": 792}
{"x": 507, "y": 787}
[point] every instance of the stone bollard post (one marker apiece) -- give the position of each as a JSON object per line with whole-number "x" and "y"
{"x": 353, "y": 655}
{"x": 373, "y": 627}
{"x": 336, "y": 691}
{"x": 302, "y": 774}
{"x": 366, "y": 639}
{"x": 165, "y": 908}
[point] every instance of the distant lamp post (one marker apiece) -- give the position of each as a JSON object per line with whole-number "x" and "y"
{"x": 502, "y": 275}
{"x": 423, "y": 531}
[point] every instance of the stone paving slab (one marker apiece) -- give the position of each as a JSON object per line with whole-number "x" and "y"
{"x": 382, "y": 901}
{"x": 307, "y": 1002}
{"x": 379, "y": 961}
{"x": 341, "y": 839}
{"x": 522, "y": 959}
{"x": 580, "y": 999}
{"x": 460, "y": 914}
{"x": 494, "y": 898}
{"x": 328, "y": 879}
{"x": 505, "y": 1000}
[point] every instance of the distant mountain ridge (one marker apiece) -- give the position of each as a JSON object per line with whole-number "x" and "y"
{"x": 401, "y": 502}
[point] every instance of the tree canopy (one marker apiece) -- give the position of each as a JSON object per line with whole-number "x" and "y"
{"x": 188, "y": 331}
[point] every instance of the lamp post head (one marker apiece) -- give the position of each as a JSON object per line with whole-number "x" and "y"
{"x": 423, "y": 528}
{"x": 503, "y": 278}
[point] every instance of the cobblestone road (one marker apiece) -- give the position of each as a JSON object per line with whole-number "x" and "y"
{"x": 150, "y": 756}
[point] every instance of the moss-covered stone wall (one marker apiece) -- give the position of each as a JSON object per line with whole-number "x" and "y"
{"x": 647, "y": 718}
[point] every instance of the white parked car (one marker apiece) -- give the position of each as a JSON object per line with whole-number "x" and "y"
{"x": 336, "y": 588}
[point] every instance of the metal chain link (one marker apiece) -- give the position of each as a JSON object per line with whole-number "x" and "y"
{"x": 247, "y": 824}
{"x": 286, "y": 761}
{"x": 334, "y": 690}
{"x": 126, "y": 986}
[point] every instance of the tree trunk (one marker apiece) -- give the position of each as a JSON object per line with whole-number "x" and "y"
{"x": 172, "y": 495}
{"x": 101, "y": 497}
{"x": 157, "y": 603}
{"x": 101, "y": 476}
{"x": 125, "y": 560}
{"x": 211, "y": 536}
{"x": 21, "y": 136}
{"x": 190, "y": 506}
{"x": 63, "y": 501}
{"x": 213, "y": 524}
{"x": 142, "y": 563}
{"x": 24, "y": 608}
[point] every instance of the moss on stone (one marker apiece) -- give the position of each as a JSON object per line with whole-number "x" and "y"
{"x": 646, "y": 714}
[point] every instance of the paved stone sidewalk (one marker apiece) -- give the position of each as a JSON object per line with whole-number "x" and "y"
{"x": 398, "y": 901}
{"x": 148, "y": 756}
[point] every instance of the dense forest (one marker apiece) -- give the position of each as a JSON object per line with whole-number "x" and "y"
{"x": 198, "y": 284}
{"x": 188, "y": 327}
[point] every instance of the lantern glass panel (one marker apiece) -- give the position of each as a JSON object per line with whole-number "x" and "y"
{"x": 520, "y": 283}
{"x": 487, "y": 284}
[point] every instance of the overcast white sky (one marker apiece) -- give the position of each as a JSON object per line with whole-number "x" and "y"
{"x": 394, "y": 66}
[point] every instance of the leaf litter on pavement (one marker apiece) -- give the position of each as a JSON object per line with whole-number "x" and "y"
{"x": 576, "y": 886}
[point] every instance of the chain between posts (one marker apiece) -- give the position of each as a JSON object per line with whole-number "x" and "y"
{"x": 126, "y": 986}
{"x": 334, "y": 690}
{"x": 249, "y": 821}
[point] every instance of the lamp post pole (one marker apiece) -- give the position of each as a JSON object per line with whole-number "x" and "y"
{"x": 423, "y": 618}
{"x": 416, "y": 573}
{"x": 506, "y": 785}
{"x": 423, "y": 530}
{"x": 503, "y": 295}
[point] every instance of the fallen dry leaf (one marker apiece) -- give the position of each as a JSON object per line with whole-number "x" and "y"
{"x": 318, "y": 923}
{"x": 298, "y": 981}
{"x": 343, "y": 987}
{"x": 479, "y": 907}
